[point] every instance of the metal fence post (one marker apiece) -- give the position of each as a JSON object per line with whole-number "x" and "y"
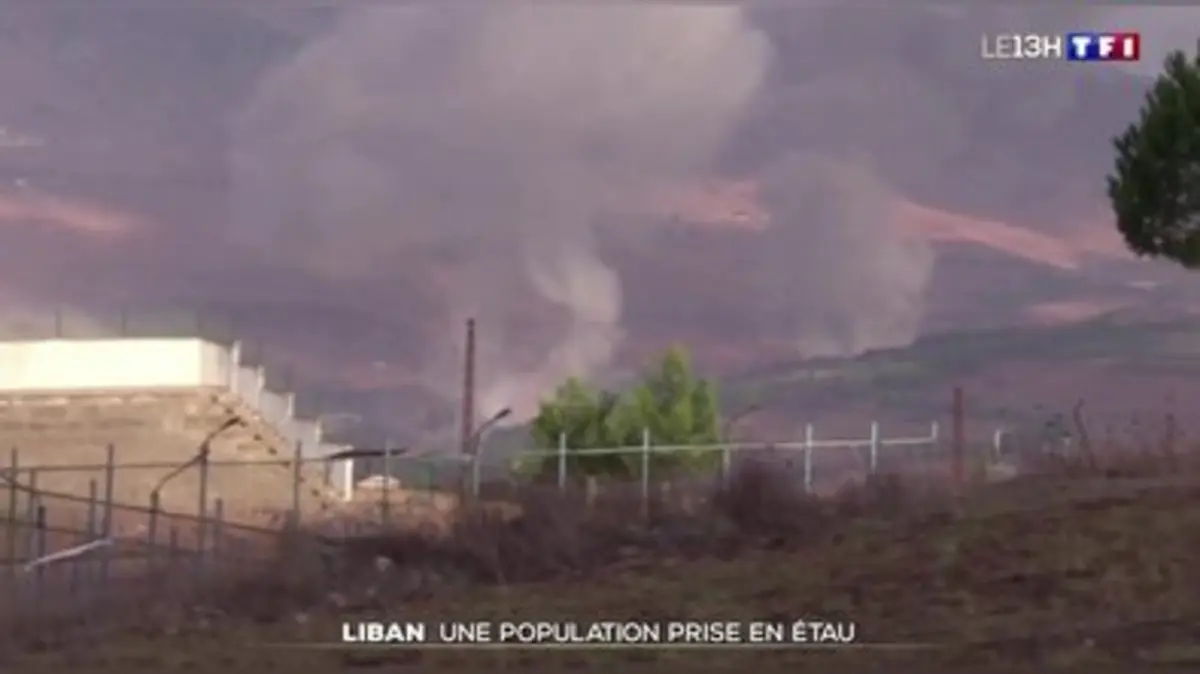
{"x": 77, "y": 576}
{"x": 476, "y": 475}
{"x": 93, "y": 506}
{"x": 562, "y": 462}
{"x": 31, "y": 512}
{"x": 297, "y": 477}
{"x": 874, "y": 447}
{"x": 39, "y": 552}
{"x": 808, "y": 458}
{"x": 90, "y": 527}
{"x": 202, "y": 506}
{"x": 646, "y": 472}
{"x": 152, "y": 530}
{"x": 958, "y": 442}
{"x": 12, "y": 535}
{"x": 110, "y": 478}
{"x": 386, "y": 506}
{"x": 218, "y": 520}
{"x": 10, "y": 515}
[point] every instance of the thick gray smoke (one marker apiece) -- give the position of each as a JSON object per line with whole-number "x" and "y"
{"x": 408, "y": 161}
{"x": 497, "y": 137}
{"x": 844, "y": 275}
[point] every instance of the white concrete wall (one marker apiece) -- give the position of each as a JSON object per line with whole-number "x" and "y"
{"x": 247, "y": 383}
{"x": 215, "y": 362}
{"x": 109, "y": 364}
{"x": 114, "y": 364}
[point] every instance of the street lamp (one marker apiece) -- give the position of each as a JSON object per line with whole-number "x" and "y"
{"x": 200, "y": 458}
{"x": 475, "y": 445}
{"x": 727, "y": 427}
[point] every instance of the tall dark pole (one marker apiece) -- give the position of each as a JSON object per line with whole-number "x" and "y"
{"x": 468, "y": 393}
{"x": 959, "y": 438}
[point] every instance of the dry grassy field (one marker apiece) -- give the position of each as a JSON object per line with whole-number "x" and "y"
{"x": 1082, "y": 567}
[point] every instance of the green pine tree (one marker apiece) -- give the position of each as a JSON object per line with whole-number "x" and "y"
{"x": 1155, "y": 186}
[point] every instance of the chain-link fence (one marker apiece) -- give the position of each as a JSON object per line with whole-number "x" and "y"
{"x": 122, "y": 520}
{"x": 817, "y": 464}
{"x": 60, "y": 551}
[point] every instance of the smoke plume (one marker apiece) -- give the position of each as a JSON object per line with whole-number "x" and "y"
{"x": 496, "y": 137}
{"x": 405, "y": 168}
{"x": 841, "y": 275}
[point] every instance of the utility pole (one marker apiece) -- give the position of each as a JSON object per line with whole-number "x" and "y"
{"x": 468, "y": 392}
{"x": 959, "y": 438}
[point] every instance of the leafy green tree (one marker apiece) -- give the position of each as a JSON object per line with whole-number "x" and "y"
{"x": 676, "y": 409}
{"x": 1155, "y": 186}
{"x": 669, "y": 402}
{"x": 581, "y": 417}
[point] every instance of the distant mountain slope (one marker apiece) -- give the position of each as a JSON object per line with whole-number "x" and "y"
{"x": 1128, "y": 372}
{"x": 985, "y": 277}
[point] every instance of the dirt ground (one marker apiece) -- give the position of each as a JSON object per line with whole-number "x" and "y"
{"x": 1057, "y": 575}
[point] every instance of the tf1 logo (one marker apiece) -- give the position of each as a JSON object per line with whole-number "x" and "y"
{"x": 1103, "y": 46}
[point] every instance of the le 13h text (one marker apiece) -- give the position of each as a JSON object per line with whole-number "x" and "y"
{"x": 1082, "y": 47}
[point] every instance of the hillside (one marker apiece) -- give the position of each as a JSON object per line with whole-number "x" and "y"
{"x": 996, "y": 319}
{"x": 1131, "y": 370}
{"x": 1127, "y": 370}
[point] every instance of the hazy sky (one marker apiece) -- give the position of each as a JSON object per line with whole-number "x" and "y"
{"x": 410, "y": 165}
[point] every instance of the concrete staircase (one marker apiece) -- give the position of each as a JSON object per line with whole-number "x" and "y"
{"x": 64, "y": 437}
{"x": 253, "y": 438}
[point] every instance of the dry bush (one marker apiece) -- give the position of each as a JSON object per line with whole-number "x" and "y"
{"x": 553, "y": 535}
{"x": 560, "y": 535}
{"x": 549, "y": 535}
{"x": 883, "y": 495}
{"x": 540, "y": 534}
{"x": 1112, "y": 461}
{"x": 760, "y": 500}
{"x": 1146, "y": 451}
